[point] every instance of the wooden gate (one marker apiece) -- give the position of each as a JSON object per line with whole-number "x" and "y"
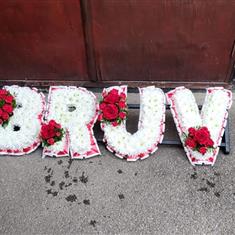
{"x": 103, "y": 42}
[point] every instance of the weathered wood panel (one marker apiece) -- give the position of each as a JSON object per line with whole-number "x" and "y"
{"x": 42, "y": 40}
{"x": 165, "y": 41}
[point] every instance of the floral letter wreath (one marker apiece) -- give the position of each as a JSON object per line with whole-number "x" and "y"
{"x": 71, "y": 115}
{"x": 21, "y": 115}
{"x": 150, "y": 128}
{"x": 200, "y": 134}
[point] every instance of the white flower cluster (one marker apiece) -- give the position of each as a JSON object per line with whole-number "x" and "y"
{"x": 213, "y": 115}
{"x": 151, "y": 127}
{"x": 76, "y": 110}
{"x": 21, "y": 135}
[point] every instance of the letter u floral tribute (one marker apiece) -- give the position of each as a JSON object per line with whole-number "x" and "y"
{"x": 65, "y": 125}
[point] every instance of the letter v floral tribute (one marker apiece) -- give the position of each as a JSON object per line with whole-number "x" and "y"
{"x": 200, "y": 133}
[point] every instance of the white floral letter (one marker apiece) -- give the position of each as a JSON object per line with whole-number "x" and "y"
{"x": 150, "y": 128}
{"x": 76, "y": 110}
{"x": 213, "y": 117}
{"x": 22, "y": 134}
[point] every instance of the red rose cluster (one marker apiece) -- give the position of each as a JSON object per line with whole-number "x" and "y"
{"x": 113, "y": 108}
{"x": 199, "y": 139}
{"x": 7, "y": 105}
{"x": 51, "y": 133}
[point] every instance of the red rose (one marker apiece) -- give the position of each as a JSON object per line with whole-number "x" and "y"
{"x": 54, "y": 124}
{"x": 1, "y": 112}
{"x": 110, "y": 112}
{"x": 122, "y": 104}
{"x": 8, "y": 108}
{"x": 209, "y": 143}
{"x": 47, "y": 132}
{"x": 113, "y": 92}
{"x": 122, "y": 115}
{"x": 3, "y": 92}
{"x": 5, "y": 116}
{"x": 112, "y": 97}
{"x": 115, "y": 123}
{"x": 100, "y": 117}
{"x": 202, "y": 135}
{"x": 191, "y": 131}
{"x": 1, "y": 121}
{"x": 190, "y": 143}
{"x": 202, "y": 150}
{"x": 123, "y": 96}
{"x": 9, "y": 99}
{"x": 51, "y": 141}
{"x": 102, "y": 105}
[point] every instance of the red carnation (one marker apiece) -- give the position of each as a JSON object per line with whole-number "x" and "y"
{"x": 202, "y": 135}
{"x": 51, "y": 141}
{"x": 190, "y": 143}
{"x": 5, "y": 116}
{"x": 54, "y": 124}
{"x": 202, "y": 150}
{"x": 9, "y": 99}
{"x": 110, "y": 112}
{"x": 192, "y": 131}
{"x": 7, "y": 108}
{"x": 122, "y": 104}
{"x": 47, "y": 132}
{"x": 112, "y": 97}
{"x": 100, "y": 117}
{"x": 3, "y": 92}
{"x": 123, "y": 96}
{"x": 115, "y": 123}
{"x": 209, "y": 143}
{"x": 122, "y": 115}
{"x": 102, "y": 105}
{"x": 113, "y": 92}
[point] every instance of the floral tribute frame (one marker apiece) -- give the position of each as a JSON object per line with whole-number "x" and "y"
{"x": 75, "y": 109}
{"x": 22, "y": 133}
{"x": 200, "y": 133}
{"x": 151, "y": 126}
